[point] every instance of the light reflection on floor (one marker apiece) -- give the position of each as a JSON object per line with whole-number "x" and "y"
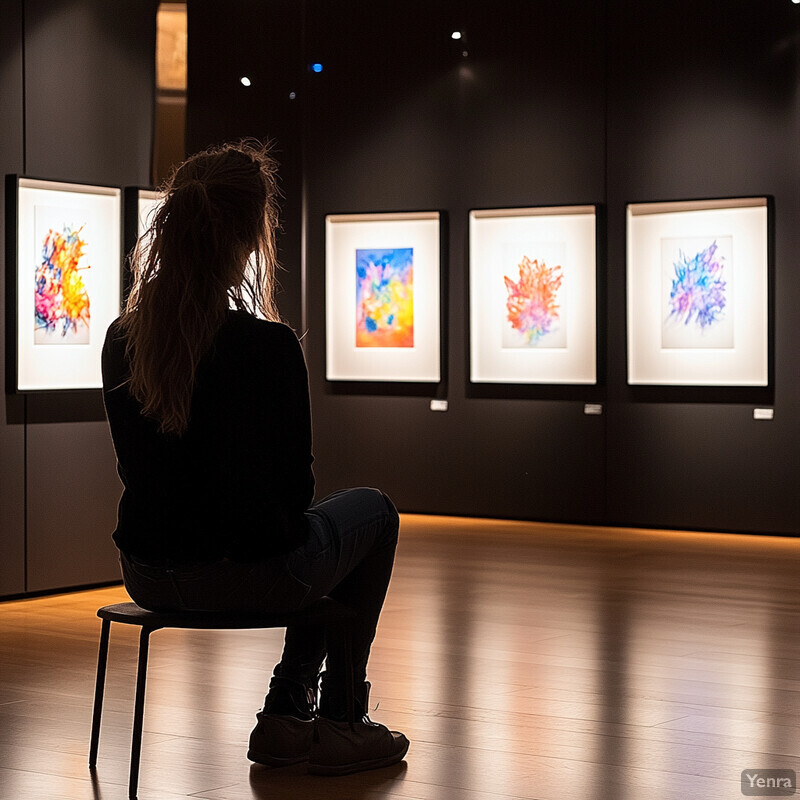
{"x": 524, "y": 662}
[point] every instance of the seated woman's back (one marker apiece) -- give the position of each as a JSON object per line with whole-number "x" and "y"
{"x": 236, "y": 482}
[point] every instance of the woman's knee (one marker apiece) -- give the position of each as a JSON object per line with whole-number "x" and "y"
{"x": 383, "y": 507}
{"x": 354, "y": 507}
{"x": 393, "y": 518}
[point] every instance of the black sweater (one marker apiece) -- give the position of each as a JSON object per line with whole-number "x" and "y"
{"x": 237, "y": 482}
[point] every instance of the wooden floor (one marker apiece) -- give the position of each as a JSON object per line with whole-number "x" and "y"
{"x": 522, "y": 660}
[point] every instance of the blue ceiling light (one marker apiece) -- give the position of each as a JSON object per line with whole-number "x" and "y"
{"x": 316, "y": 67}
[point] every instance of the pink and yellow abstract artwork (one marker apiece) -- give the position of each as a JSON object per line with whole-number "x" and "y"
{"x": 61, "y": 302}
{"x": 532, "y": 303}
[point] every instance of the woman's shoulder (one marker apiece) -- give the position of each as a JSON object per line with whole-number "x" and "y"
{"x": 113, "y": 360}
{"x": 114, "y": 330}
{"x": 115, "y": 337}
{"x": 261, "y": 347}
{"x": 246, "y": 327}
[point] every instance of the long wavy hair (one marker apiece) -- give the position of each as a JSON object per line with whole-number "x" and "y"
{"x": 210, "y": 246}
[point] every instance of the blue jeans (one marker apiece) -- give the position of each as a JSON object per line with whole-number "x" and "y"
{"x": 349, "y": 555}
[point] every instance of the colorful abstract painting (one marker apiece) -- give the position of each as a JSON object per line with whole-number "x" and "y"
{"x": 532, "y": 304}
{"x": 385, "y": 297}
{"x": 698, "y": 285}
{"x": 697, "y": 296}
{"x": 61, "y": 301}
{"x": 67, "y": 281}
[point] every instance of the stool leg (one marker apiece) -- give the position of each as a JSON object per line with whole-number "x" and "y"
{"x": 99, "y": 688}
{"x": 138, "y": 713}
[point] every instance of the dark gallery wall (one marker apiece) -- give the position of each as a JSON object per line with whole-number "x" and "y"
{"x": 404, "y": 121}
{"x": 556, "y": 102}
{"x": 261, "y": 41}
{"x": 703, "y": 103}
{"x": 12, "y": 433}
{"x": 79, "y": 107}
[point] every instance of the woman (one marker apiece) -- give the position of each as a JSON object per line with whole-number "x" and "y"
{"x": 206, "y": 394}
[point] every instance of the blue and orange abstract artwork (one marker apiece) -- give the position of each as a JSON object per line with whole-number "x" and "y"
{"x": 532, "y": 302}
{"x": 385, "y": 297}
{"x": 61, "y": 300}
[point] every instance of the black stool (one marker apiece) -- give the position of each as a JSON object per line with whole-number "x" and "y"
{"x": 325, "y": 611}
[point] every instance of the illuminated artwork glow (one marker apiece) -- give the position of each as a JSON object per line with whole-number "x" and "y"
{"x": 61, "y": 304}
{"x": 532, "y": 302}
{"x": 385, "y": 297}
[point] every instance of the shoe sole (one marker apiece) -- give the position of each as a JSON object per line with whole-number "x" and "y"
{"x": 333, "y": 770}
{"x": 272, "y": 761}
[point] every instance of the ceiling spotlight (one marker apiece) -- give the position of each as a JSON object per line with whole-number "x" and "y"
{"x": 245, "y": 81}
{"x": 457, "y": 34}
{"x": 316, "y": 67}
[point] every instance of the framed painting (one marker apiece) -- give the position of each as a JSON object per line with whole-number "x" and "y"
{"x": 147, "y": 203}
{"x": 533, "y": 305}
{"x": 698, "y": 292}
{"x": 382, "y": 297}
{"x": 140, "y": 206}
{"x": 64, "y": 269}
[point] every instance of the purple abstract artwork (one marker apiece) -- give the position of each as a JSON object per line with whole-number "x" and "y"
{"x": 698, "y": 296}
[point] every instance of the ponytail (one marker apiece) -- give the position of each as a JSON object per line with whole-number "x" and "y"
{"x": 211, "y": 245}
